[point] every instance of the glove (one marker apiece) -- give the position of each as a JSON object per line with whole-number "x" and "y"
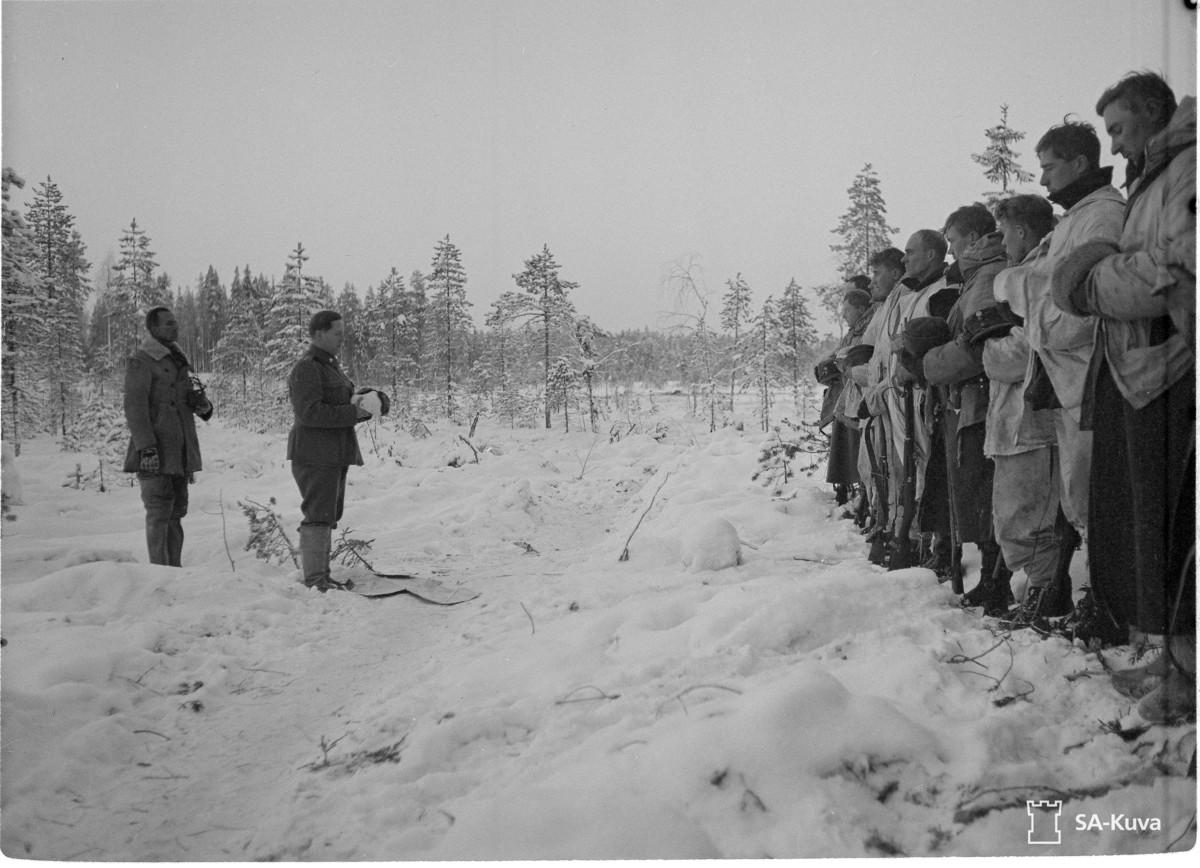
{"x": 859, "y": 354}
{"x": 990, "y": 322}
{"x": 909, "y": 369}
{"x": 827, "y": 372}
{"x": 196, "y": 399}
{"x": 1068, "y": 282}
{"x": 149, "y": 460}
{"x": 385, "y": 403}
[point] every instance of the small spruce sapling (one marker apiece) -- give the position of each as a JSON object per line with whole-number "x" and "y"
{"x": 267, "y": 539}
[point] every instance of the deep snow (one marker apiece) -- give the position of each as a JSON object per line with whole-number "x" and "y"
{"x": 794, "y": 701}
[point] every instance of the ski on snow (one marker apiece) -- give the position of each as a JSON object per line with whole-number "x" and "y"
{"x": 378, "y": 583}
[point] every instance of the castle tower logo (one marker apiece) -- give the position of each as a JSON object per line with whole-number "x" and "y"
{"x": 1043, "y": 822}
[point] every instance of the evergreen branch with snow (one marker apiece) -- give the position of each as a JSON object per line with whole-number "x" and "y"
{"x": 267, "y": 540}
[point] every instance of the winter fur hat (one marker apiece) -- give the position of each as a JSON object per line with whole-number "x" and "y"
{"x": 923, "y": 333}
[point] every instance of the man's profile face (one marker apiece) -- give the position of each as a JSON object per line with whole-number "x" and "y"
{"x": 916, "y": 258}
{"x": 958, "y": 241}
{"x": 165, "y": 327}
{"x": 1058, "y": 173}
{"x": 331, "y": 339}
{"x": 883, "y": 278}
{"x": 1016, "y": 239}
{"x": 1129, "y": 130}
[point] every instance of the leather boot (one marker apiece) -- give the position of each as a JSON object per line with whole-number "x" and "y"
{"x": 1069, "y": 541}
{"x": 978, "y": 594}
{"x": 994, "y": 591}
{"x": 315, "y": 541}
{"x": 998, "y": 595}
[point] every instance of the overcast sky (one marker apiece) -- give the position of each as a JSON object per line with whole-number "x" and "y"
{"x": 625, "y": 134}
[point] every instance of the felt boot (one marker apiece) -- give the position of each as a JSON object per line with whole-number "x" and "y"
{"x": 315, "y": 541}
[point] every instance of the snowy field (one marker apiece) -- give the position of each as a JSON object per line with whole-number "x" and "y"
{"x": 800, "y": 703}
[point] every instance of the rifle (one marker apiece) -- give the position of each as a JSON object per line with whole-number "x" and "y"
{"x": 879, "y": 504}
{"x": 949, "y": 448}
{"x": 902, "y": 553}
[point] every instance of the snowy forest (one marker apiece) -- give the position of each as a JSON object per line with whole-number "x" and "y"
{"x": 69, "y": 325}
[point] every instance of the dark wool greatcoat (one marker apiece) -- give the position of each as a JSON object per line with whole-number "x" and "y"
{"x": 1142, "y": 395}
{"x": 957, "y": 369}
{"x": 323, "y": 433}
{"x": 156, "y": 410}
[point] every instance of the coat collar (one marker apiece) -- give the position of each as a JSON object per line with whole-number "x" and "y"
{"x": 1072, "y": 194}
{"x": 156, "y": 350}
{"x": 1163, "y": 147}
{"x": 319, "y": 355}
{"x": 914, "y": 285}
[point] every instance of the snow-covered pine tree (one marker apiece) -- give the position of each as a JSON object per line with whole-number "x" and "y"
{"x": 588, "y": 338}
{"x": 354, "y": 351}
{"x": 416, "y": 335}
{"x": 99, "y": 429}
{"x": 133, "y": 291}
{"x": 21, "y": 318}
{"x": 63, "y": 267}
{"x": 448, "y": 318}
{"x": 386, "y": 315}
{"x": 240, "y": 354}
{"x": 863, "y": 226}
{"x": 735, "y": 316}
{"x": 796, "y": 338}
{"x": 297, "y": 297}
{"x": 544, "y": 304}
{"x": 999, "y": 160}
{"x": 560, "y": 389}
{"x": 212, "y": 311}
{"x": 763, "y": 357}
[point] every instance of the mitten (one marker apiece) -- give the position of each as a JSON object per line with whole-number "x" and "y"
{"x": 367, "y": 401}
{"x": 827, "y": 372}
{"x": 859, "y": 354}
{"x": 994, "y": 321}
{"x": 1068, "y": 282}
{"x": 149, "y": 460}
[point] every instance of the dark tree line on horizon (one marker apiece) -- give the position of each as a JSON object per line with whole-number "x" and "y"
{"x": 66, "y": 340}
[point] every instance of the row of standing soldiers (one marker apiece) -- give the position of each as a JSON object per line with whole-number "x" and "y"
{"x": 1039, "y": 392}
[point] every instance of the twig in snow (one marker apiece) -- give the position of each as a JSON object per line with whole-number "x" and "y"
{"x": 583, "y": 462}
{"x": 625, "y": 551}
{"x": 473, "y": 449}
{"x": 151, "y": 732}
{"x": 602, "y": 695}
{"x": 1186, "y": 829}
{"x": 224, "y": 536}
{"x": 678, "y": 697}
{"x": 532, "y": 627}
{"x": 326, "y": 746}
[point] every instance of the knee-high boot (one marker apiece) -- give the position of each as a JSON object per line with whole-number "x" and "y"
{"x": 315, "y": 541}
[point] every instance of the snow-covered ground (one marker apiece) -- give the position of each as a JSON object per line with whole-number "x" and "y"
{"x": 797, "y": 701}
